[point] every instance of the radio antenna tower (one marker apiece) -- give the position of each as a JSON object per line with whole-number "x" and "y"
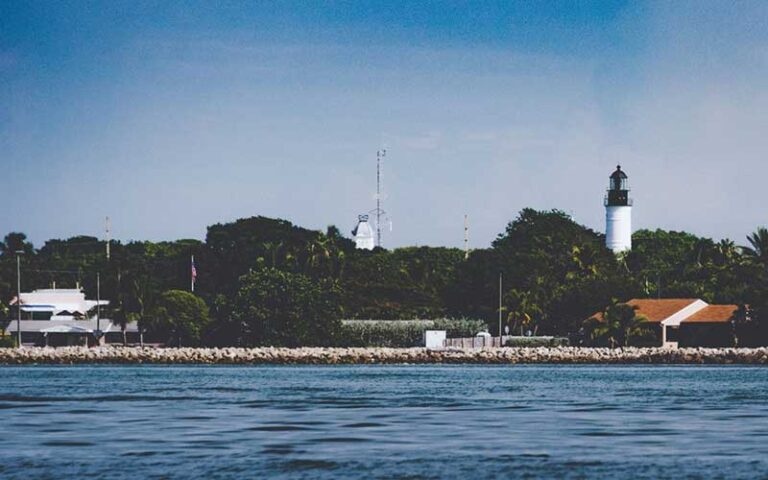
{"x": 379, "y": 212}
{"x": 379, "y": 155}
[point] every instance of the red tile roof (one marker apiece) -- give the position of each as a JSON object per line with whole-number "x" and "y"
{"x": 656, "y": 310}
{"x": 713, "y": 314}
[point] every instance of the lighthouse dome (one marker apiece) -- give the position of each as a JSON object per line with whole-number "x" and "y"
{"x": 618, "y": 180}
{"x": 619, "y": 173}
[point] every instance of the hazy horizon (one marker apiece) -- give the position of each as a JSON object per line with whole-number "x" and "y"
{"x": 170, "y": 117}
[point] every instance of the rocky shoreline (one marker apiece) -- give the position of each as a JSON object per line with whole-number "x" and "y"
{"x": 341, "y": 356}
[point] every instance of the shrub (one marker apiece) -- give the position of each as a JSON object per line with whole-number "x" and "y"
{"x": 402, "y": 333}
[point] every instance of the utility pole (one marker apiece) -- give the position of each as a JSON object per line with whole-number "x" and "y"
{"x": 466, "y": 236}
{"x": 106, "y": 227}
{"x": 18, "y": 298}
{"x": 500, "y": 305}
{"x": 658, "y": 285}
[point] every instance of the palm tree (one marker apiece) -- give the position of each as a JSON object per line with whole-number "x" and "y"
{"x": 725, "y": 252}
{"x": 585, "y": 259}
{"x": 331, "y": 253}
{"x": 701, "y": 251}
{"x": 618, "y": 324}
{"x": 273, "y": 250}
{"x": 524, "y": 312}
{"x": 318, "y": 252}
{"x": 758, "y": 249}
{"x": 339, "y": 261}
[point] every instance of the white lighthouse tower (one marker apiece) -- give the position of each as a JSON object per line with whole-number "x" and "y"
{"x": 363, "y": 234}
{"x": 618, "y": 213}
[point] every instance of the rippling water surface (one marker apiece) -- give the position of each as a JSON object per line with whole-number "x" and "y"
{"x": 383, "y": 422}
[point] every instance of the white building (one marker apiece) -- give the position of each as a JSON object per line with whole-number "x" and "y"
{"x": 618, "y": 213}
{"x": 65, "y": 317}
{"x": 363, "y": 234}
{"x": 56, "y": 304}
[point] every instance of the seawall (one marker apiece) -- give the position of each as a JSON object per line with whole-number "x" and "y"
{"x": 338, "y": 356}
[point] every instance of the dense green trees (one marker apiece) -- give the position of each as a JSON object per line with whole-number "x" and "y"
{"x": 279, "y": 308}
{"x": 15, "y": 242}
{"x": 752, "y": 324}
{"x": 406, "y": 283}
{"x": 178, "y": 318}
{"x": 268, "y": 281}
{"x": 555, "y": 274}
{"x": 678, "y": 264}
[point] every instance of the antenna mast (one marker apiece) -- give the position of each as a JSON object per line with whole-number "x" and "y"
{"x": 379, "y": 157}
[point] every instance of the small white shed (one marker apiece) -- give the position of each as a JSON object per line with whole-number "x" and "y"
{"x": 434, "y": 339}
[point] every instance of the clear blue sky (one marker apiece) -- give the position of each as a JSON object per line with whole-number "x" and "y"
{"x": 171, "y": 115}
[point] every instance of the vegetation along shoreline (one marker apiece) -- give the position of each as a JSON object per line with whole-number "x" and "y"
{"x": 260, "y": 281}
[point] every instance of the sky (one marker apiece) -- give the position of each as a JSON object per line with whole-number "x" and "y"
{"x": 170, "y": 116}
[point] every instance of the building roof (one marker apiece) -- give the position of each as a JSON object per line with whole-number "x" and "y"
{"x": 713, "y": 314}
{"x": 657, "y": 310}
{"x": 674, "y": 311}
{"x": 62, "y": 300}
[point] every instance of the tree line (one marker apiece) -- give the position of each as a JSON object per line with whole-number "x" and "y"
{"x": 266, "y": 281}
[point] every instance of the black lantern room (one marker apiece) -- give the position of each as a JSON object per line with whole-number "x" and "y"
{"x": 618, "y": 189}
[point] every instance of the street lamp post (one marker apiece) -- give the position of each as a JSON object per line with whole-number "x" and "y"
{"x": 18, "y": 298}
{"x": 98, "y": 309}
{"x": 501, "y": 276}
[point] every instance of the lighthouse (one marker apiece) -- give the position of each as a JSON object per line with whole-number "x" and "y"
{"x": 618, "y": 213}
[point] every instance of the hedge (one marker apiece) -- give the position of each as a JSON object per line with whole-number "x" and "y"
{"x": 536, "y": 342}
{"x": 402, "y": 333}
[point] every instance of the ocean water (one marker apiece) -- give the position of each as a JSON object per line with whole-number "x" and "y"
{"x": 441, "y": 421}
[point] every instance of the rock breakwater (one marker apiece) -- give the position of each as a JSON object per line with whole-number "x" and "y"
{"x": 334, "y": 356}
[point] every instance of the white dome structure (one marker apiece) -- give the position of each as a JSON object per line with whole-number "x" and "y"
{"x": 618, "y": 213}
{"x": 363, "y": 234}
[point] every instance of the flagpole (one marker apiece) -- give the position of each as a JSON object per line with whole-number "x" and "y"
{"x": 192, "y": 274}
